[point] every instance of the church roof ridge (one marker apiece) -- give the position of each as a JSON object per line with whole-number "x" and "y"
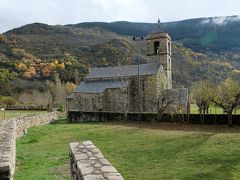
{"x": 123, "y": 71}
{"x": 100, "y": 86}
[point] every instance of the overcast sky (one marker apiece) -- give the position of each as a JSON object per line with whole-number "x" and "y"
{"x": 15, "y": 13}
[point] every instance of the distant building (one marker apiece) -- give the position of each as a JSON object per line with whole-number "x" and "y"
{"x": 116, "y": 88}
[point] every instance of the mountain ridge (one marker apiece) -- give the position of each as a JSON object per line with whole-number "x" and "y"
{"x": 214, "y": 34}
{"x": 199, "y": 34}
{"x": 40, "y": 47}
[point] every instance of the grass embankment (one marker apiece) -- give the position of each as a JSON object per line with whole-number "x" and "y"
{"x": 14, "y": 113}
{"x": 142, "y": 151}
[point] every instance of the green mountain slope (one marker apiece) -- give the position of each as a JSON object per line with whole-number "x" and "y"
{"x": 36, "y": 51}
{"x": 214, "y": 34}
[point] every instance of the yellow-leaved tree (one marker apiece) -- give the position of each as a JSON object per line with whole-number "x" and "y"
{"x": 227, "y": 97}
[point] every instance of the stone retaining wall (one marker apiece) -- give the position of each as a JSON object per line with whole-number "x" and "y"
{"x": 88, "y": 163}
{"x": 12, "y": 129}
{"x": 7, "y": 149}
{"x": 25, "y": 122}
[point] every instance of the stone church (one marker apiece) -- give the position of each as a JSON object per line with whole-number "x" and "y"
{"x": 117, "y": 89}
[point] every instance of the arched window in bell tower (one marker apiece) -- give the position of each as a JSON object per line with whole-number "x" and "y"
{"x": 156, "y": 47}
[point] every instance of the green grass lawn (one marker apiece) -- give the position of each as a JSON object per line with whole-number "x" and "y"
{"x": 212, "y": 110}
{"x": 14, "y": 113}
{"x": 138, "y": 151}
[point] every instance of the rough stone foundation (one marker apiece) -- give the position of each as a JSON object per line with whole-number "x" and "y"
{"x": 12, "y": 129}
{"x": 88, "y": 163}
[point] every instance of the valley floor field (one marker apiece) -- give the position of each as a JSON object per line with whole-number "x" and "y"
{"x": 14, "y": 113}
{"x": 138, "y": 151}
{"x": 212, "y": 110}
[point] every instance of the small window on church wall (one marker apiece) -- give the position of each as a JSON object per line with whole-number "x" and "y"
{"x": 156, "y": 47}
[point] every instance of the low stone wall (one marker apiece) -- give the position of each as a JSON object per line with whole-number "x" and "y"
{"x": 7, "y": 149}
{"x": 25, "y": 122}
{"x": 12, "y": 129}
{"x": 88, "y": 163}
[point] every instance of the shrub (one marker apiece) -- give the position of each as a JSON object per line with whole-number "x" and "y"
{"x": 7, "y": 101}
{"x": 2, "y": 38}
{"x": 61, "y": 108}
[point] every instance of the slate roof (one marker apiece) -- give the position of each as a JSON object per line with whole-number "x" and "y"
{"x": 123, "y": 71}
{"x": 100, "y": 86}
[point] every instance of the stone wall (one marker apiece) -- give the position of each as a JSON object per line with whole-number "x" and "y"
{"x": 119, "y": 99}
{"x": 163, "y": 57}
{"x": 115, "y": 100}
{"x": 122, "y": 99}
{"x": 149, "y": 94}
{"x": 85, "y": 102}
{"x": 163, "y": 38}
{"x": 7, "y": 149}
{"x": 88, "y": 163}
{"x": 147, "y": 87}
{"x": 12, "y": 129}
{"x": 25, "y": 122}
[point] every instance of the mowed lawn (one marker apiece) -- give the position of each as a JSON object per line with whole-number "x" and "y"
{"x": 212, "y": 110}
{"x": 138, "y": 151}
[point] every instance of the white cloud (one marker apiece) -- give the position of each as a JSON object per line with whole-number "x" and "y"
{"x": 14, "y": 13}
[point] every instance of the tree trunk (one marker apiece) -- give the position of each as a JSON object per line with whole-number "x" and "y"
{"x": 203, "y": 118}
{"x": 230, "y": 123}
{"x": 160, "y": 115}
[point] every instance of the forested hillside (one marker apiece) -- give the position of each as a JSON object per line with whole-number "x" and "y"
{"x": 31, "y": 54}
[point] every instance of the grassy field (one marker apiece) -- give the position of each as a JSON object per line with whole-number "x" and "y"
{"x": 14, "y": 113}
{"x": 138, "y": 151}
{"x": 212, "y": 110}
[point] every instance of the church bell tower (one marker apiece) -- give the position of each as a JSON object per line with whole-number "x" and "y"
{"x": 159, "y": 51}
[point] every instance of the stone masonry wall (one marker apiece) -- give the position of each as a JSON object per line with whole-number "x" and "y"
{"x": 7, "y": 149}
{"x": 88, "y": 163}
{"x": 25, "y": 122}
{"x": 85, "y": 102}
{"x": 115, "y": 100}
{"x": 12, "y": 129}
